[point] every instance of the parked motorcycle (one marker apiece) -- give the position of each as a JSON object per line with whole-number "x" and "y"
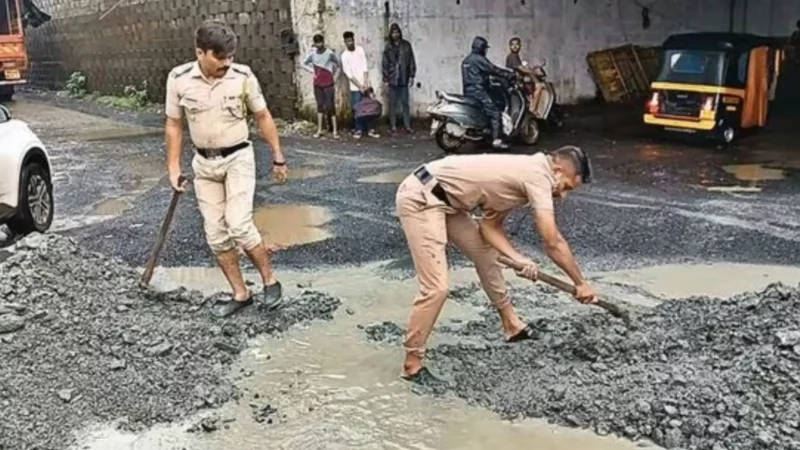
{"x": 542, "y": 97}
{"x": 458, "y": 118}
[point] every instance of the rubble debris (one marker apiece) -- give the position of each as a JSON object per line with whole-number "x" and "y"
{"x": 387, "y": 331}
{"x": 697, "y": 373}
{"x": 264, "y": 414}
{"x": 138, "y": 364}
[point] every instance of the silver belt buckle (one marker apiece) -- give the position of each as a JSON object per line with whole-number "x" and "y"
{"x": 214, "y": 154}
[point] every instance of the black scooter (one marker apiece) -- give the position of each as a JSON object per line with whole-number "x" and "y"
{"x": 457, "y": 118}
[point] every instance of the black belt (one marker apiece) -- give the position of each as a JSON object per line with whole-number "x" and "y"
{"x": 438, "y": 191}
{"x": 209, "y": 153}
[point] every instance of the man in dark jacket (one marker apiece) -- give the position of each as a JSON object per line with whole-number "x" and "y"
{"x": 475, "y": 72}
{"x": 399, "y": 68}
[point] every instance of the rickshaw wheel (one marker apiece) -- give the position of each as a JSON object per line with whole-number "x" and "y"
{"x": 728, "y": 135}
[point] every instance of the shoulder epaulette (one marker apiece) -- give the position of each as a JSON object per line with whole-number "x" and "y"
{"x": 182, "y": 70}
{"x": 240, "y": 70}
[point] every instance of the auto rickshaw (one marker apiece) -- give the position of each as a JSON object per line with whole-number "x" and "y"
{"x": 714, "y": 84}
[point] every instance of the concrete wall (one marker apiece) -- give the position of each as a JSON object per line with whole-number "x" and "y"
{"x": 143, "y": 39}
{"x": 766, "y": 17}
{"x": 563, "y": 31}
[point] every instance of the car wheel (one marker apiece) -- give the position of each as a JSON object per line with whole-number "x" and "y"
{"x": 446, "y": 142}
{"x": 36, "y": 205}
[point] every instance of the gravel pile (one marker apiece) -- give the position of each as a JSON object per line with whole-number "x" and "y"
{"x": 698, "y": 373}
{"x": 81, "y": 343}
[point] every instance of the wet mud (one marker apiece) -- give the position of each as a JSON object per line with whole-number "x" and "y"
{"x": 700, "y": 373}
{"x": 88, "y": 345}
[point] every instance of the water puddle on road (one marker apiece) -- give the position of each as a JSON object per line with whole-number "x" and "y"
{"x": 302, "y": 173}
{"x": 290, "y": 225}
{"x": 120, "y": 133}
{"x": 751, "y": 177}
{"x": 112, "y": 207}
{"x": 391, "y": 177}
{"x": 333, "y": 389}
{"x": 714, "y": 280}
{"x": 754, "y": 172}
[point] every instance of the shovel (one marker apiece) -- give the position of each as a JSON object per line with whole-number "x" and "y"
{"x": 614, "y": 310}
{"x": 151, "y": 263}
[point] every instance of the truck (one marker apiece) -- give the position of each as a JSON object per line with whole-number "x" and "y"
{"x": 13, "y": 57}
{"x": 15, "y": 16}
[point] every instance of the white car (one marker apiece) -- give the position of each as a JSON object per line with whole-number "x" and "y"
{"x": 26, "y": 188}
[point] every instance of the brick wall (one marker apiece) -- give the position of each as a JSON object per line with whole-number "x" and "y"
{"x": 143, "y": 39}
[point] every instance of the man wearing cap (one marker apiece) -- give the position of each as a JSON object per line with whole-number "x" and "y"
{"x": 215, "y": 95}
{"x": 434, "y": 205}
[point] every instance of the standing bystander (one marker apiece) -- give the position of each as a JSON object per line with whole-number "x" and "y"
{"x": 399, "y": 68}
{"x": 356, "y": 69}
{"x": 323, "y": 63}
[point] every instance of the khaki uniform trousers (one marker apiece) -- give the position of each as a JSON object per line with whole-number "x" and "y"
{"x": 428, "y": 225}
{"x": 225, "y": 189}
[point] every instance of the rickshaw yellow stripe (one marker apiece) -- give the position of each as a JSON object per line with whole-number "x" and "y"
{"x": 677, "y": 123}
{"x": 697, "y": 88}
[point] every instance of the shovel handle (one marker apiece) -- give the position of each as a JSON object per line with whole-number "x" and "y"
{"x": 614, "y": 310}
{"x": 549, "y": 279}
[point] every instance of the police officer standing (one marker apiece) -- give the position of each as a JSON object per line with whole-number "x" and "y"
{"x": 215, "y": 95}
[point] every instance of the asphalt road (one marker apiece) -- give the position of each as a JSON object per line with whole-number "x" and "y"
{"x": 654, "y": 200}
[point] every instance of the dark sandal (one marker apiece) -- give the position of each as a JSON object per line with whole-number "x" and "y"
{"x": 272, "y": 296}
{"x": 225, "y": 309}
{"x": 527, "y": 333}
{"x": 422, "y": 376}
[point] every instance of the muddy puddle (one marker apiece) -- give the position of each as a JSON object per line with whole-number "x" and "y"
{"x": 112, "y": 207}
{"x": 751, "y": 178}
{"x": 301, "y": 173}
{"x": 333, "y": 389}
{"x": 754, "y": 172}
{"x": 327, "y": 387}
{"x": 390, "y": 177}
{"x": 715, "y": 280}
{"x": 290, "y": 225}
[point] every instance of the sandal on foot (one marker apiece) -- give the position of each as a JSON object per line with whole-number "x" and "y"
{"x": 272, "y": 295}
{"x": 422, "y": 376}
{"x": 225, "y": 309}
{"x": 527, "y": 333}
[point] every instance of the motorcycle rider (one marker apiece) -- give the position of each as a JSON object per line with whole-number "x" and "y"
{"x": 475, "y": 71}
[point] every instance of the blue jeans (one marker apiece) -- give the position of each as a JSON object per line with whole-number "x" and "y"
{"x": 398, "y": 96}
{"x": 364, "y": 124}
{"x": 355, "y": 97}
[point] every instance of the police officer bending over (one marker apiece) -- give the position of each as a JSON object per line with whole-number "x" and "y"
{"x": 475, "y": 72}
{"x": 216, "y": 95}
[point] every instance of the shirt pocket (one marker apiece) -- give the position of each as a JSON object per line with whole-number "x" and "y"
{"x": 194, "y": 106}
{"x": 233, "y": 108}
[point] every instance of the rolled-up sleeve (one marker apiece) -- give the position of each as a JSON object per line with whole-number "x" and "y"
{"x": 172, "y": 106}
{"x": 540, "y": 193}
{"x": 255, "y": 97}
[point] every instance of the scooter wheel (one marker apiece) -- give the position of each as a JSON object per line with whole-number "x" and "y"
{"x": 448, "y": 143}
{"x": 529, "y": 131}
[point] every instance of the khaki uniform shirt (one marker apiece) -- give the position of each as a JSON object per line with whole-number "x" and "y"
{"x": 215, "y": 109}
{"x": 496, "y": 183}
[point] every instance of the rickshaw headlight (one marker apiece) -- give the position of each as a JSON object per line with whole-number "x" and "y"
{"x": 708, "y": 105}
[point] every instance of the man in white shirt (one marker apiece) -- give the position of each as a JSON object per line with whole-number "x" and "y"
{"x": 354, "y": 66}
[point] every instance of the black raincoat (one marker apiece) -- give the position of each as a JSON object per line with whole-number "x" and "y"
{"x": 475, "y": 72}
